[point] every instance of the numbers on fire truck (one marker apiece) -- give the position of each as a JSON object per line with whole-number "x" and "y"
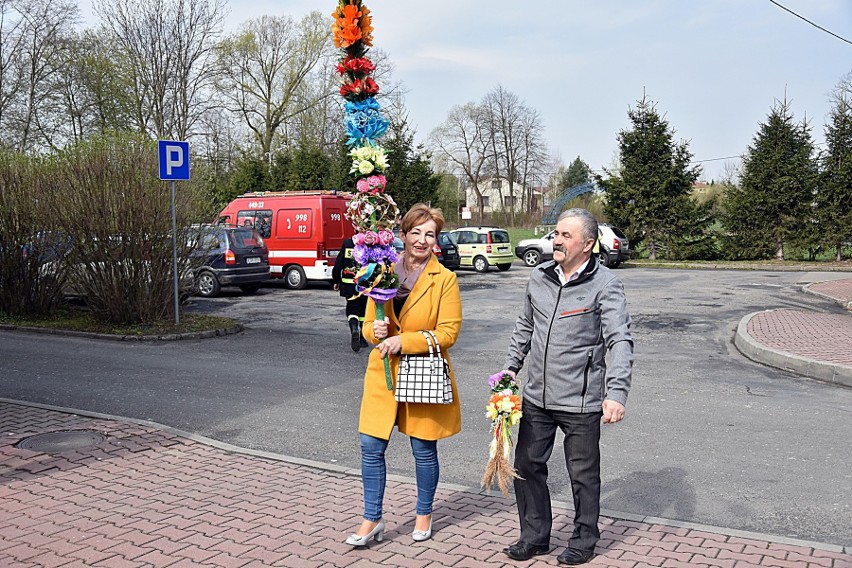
{"x": 295, "y": 223}
{"x": 335, "y": 216}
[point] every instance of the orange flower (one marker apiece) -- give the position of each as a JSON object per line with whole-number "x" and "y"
{"x": 366, "y": 24}
{"x": 346, "y": 28}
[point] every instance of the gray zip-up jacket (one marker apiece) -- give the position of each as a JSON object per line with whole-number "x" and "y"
{"x": 565, "y": 332}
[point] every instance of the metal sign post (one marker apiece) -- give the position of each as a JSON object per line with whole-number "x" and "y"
{"x": 174, "y": 165}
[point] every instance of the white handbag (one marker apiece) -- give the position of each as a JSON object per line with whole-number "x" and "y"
{"x": 424, "y": 378}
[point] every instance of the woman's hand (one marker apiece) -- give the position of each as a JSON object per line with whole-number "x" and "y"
{"x": 391, "y": 345}
{"x": 380, "y": 328}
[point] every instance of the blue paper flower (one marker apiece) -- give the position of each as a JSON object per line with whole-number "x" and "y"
{"x": 364, "y": 121}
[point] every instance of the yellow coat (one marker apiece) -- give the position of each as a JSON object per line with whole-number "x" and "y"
{"x": 433, "y": 304}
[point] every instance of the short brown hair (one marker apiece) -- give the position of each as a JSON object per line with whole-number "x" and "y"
{"x": 421, "y": 213}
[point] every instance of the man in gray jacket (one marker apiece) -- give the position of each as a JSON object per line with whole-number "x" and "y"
{"x": 574, "y": 312}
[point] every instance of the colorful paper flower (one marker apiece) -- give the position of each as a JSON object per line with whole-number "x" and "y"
{"x": 504, "y": 411}
{"x": 371, "y": 211}
{"x": 364, "y": 122}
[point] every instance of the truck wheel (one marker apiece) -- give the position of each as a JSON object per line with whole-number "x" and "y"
{"x": 480, "y": 264}
{"x": 250, "y": 288}
{"x": 603, "y": 257}
{"x": 504, "y": 267}
{"x": 294, "y": 277}
{"x": 531, "y": 257}
{"x": 207, "y": 285}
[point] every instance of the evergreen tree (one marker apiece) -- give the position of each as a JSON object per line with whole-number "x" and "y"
{"x": 309, "y": 169}
{"x": 578, "y": 173}
{"x": 649, "y": 197}
{"x": 773, "y": 203}
{"x": 834, "y": 197}
{"x": 410, "y": 176}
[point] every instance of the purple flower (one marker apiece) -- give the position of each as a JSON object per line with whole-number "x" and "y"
{"x": 361, "y": 254}
{"x": 494, "y": 379}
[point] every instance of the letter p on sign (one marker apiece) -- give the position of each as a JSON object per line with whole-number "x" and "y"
{"x": 174, "y": 159}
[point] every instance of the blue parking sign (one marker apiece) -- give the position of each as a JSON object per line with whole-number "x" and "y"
{"x": 174, "y": 159}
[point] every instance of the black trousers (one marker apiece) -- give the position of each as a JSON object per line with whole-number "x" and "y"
{"x": 356, "y": 308}
{"x": 536, "y": 436}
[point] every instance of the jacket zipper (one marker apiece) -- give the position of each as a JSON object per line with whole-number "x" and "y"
{"x": 547, "y": 346}
{"x": 585, "y": 382}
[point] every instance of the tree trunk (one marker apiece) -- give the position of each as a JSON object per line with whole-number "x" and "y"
{"x": 779, "y": 251}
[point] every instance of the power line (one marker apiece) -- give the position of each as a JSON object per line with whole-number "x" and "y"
{"x": 715, "y": 159}
{"x": 811, "y": 23}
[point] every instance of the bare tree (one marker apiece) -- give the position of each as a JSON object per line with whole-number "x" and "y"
{"x": 461, "y": 142}
{"x": 33, "y": 51}
{"x": 168, "y": 46}
{"x": 263, "y": 70}
{"x": 518, "y": 150}
{"x": 11, "y": 40}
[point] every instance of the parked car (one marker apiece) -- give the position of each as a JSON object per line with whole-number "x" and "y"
{"x": 481, "y": 247}
{"x": 447, "y": 250}
{"x": 613, "y": 250}
{"x": 535, "y": 251}
{"x": 233, "y": 256}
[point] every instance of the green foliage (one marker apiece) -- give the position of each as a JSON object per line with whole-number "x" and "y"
{"x": 249, "y": 173}
{"x": 773, "y": 202}
{"x": 834, "y": 196}
{"x": 649, "y": 197}
{"x": 410, "y": 177}
{"x": 578, "y": 173}
{"x": 309, "y": 168}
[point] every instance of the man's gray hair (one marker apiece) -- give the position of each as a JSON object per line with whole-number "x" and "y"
{"x": 587, "y": 220}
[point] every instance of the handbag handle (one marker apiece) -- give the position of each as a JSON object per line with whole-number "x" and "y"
{"x": 434, "y": 356}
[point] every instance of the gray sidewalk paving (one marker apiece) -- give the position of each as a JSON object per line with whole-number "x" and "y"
{"x": 813, "y": 344}
{"x": 148, "y": 496}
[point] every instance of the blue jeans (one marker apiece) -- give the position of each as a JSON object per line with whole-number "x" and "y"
{"x": 374, "y": 474}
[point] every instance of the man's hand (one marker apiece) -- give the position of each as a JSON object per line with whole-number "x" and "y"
{"x": 612, "y": 412}
{"x": 337, "y": 287}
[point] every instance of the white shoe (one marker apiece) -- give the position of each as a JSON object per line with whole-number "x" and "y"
{"x": 420, "y": 536}
{"x": 378, "y": 532}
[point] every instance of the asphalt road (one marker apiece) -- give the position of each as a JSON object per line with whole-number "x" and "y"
{"x": 710, "y": 436}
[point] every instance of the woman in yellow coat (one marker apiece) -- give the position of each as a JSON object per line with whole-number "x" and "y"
{"x": 428, "y": 300}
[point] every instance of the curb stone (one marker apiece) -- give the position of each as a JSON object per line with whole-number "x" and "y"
{"x": 756, "y": 351}
{"x": 807, "y": 289}
{"x": 110, "y": 337}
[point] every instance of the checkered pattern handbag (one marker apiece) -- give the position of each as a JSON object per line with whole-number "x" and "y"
{"x": 424, "y": 378}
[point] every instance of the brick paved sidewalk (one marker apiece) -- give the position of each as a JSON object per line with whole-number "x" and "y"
{"x": 146, "y": 497}
{"x": 808, "y": 343}
{"x": 838, "y": 290}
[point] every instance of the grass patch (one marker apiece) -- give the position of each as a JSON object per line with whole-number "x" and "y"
{"x": 79, "y": 320}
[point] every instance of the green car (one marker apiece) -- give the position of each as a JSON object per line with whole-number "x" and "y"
{"x": 481, "y": 247}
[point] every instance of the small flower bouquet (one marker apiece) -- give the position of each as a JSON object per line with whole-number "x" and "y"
{"x": 372, "y": 212}
{"x": 504, "y": 411}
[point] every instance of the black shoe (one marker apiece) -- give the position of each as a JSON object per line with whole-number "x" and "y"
{"x": 363, "y": 342}
{"x": 524, "y": 551}
{"x": 355, "y": 334}
{"x": 575, "y": 556}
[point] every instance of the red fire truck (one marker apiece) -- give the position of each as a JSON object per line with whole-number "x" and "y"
{"x": 303, "y": 230}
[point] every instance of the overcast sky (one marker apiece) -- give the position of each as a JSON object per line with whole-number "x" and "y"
{"x": 713, "y": 67}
